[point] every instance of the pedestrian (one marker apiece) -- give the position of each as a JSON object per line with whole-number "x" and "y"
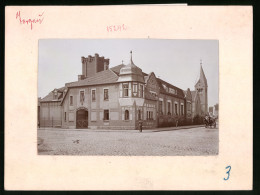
{"x": 140, "y": 126}
{"x": 176, "y": 120}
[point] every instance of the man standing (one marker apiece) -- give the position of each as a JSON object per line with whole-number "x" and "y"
{"x": 140, "y": 126}
{"x": 176, "y": 120}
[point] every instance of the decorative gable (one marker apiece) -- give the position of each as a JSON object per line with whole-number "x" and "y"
{"x": 151, "y": 85}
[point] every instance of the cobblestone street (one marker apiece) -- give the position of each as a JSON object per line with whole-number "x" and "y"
{"x": 158, "y": 142}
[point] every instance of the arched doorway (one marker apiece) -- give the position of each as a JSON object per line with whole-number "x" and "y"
{"x": 82, "y": 119}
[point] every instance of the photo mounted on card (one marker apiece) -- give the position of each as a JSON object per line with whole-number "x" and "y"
{"x": 119, "y": 97}
{"x": 128, "y": 98}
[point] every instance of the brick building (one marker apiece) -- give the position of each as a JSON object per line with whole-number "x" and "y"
{"x": 119, "y": 97}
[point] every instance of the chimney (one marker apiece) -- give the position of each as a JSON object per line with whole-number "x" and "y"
{"x": 106, "y": 64}
{"x": 84, "y": 65}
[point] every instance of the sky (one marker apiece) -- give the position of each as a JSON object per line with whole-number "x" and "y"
{"x": 174, "y": 61}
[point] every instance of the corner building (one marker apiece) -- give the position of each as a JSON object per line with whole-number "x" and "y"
{"x": 118, "y": 98}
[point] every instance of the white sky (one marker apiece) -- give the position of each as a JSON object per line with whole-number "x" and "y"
{"x": 175, "y": 61}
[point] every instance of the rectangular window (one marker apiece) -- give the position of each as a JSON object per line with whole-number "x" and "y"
{"x": 106, "y": 114}
{"x": 176, "y": 108}
{"x": 82, "y": 96}
{"x": 125, "y": 87}
{"x": 65, "y": 116}
{"x": 169, "y": 108}
{"x": 139, "y": 114}
{"x": 126, "y": 114}
{"x": 93, "y": 95}
{"x": 71, "y": 100}
{"x": 105, "y": 94}
{"x": 141, "y": 91}
{"x": 135, "y": 88}
{"x": 182, "y": 109}
{"x": 160, "y": 107}
{"x": 149, "y": 115}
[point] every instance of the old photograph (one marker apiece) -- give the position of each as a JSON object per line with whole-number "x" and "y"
{"x": 128, "y": 97}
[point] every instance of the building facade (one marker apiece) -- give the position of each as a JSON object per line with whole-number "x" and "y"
{"x": 119, "y": 98}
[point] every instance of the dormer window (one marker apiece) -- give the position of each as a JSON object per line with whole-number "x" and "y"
{"x": 55, "y": 94}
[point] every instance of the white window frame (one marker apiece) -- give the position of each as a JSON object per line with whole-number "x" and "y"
{"x": 128, "y": 114}
{"x": 104, "y": 115}
{"x": 169, "y": 101}
{"x": 176, "y": 103}
{"x": 125, "y": 84}
{"x": 92, "y": 95}
{"x": 72, "y": 100}
{"x": 135, "y": 90}
{"x": 82, "y": 90}
{"x": 182, "y": 110}
{"x": 104, "y": 94}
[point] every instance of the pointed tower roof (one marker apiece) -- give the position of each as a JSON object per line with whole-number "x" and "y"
{"x": 134, "y": 72}
{"x": 202, "y": 78}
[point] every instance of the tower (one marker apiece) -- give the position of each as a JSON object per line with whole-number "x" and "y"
{"x": 92, "y": 65}
{"x": 202, "y": 88}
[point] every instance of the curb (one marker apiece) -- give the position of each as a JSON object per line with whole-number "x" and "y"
{"x": 144, "y": 130}
{"x": 180, "y": 128}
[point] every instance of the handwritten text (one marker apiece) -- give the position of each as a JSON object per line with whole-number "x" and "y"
{"x": 30, "y": 21}
{"x": 228, "y": 172}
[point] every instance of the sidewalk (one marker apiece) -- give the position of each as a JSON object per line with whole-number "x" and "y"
{"x": 174, "y": 128}
{"x": 144, "y": 130}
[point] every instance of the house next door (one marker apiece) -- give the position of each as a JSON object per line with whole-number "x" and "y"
{"x": 82, "y": 119}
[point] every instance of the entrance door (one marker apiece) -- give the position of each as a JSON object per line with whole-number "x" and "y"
{"x": 82, "y": 119}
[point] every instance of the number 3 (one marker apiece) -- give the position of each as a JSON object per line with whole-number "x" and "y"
{"x": 228, "y": 172}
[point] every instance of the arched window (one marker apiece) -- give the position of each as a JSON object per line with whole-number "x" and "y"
{"x": 126, "y": 115}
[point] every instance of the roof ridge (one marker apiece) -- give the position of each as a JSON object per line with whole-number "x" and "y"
{"x": 169, "y": 83}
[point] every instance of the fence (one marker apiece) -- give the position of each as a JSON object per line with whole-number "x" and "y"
{"x": 52, "y": 122}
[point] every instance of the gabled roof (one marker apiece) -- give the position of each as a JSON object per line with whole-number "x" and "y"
{"x": 116, "y": 69}
{"x": 185, "y": 93}
{"x": 146, "y": 78}
{"x": 103, "y": 77}
{"x": 49, "y": 97}
{"x": 180, "y": 93}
